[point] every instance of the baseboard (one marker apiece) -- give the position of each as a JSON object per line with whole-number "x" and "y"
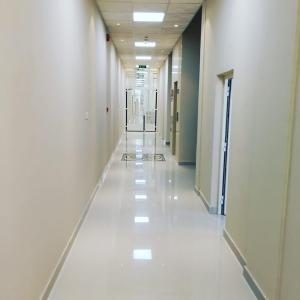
{"x": 210, "y": 209}
{"x": 61, "y": 261}
{"x": 242, "y": 260}
{"x": 254, "y": 285}
{"x": 67, "y": 249}
{"x": 240, "y": 257}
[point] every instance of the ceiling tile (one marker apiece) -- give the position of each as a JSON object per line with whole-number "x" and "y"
{"x": 164, "y": 34}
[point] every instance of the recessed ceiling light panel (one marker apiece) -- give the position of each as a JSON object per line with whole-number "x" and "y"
{"x": 148, "y": 16}
{"x": 145, "y": 44}
{"x": 143, "y": 57}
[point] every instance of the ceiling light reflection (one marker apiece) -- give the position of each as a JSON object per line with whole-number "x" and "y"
{"x": 140, "y": 181}
{"x": 142, "y": 254}
{"x": 140, "y": 197}
{"x": 141, "y": 220}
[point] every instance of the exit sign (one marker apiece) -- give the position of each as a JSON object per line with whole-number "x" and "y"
{"x": 142, "y": 67}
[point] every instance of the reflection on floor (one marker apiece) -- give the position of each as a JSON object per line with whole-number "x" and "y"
{"x": 148, "y": 236}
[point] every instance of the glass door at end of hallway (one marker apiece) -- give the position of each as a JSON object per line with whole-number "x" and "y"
{"x": 141, "y": 110}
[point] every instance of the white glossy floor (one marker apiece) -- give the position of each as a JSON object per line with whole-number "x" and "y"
{"x": 148, "y": 236}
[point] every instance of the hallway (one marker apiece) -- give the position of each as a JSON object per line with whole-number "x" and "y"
{"x": 147, "y": 235}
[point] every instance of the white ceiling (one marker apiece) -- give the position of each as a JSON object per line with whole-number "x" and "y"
{"x": 164, "y": 34}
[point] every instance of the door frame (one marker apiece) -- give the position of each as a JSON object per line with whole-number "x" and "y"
{"x": 225, "y": 130}
{"x": 144, "y": 117}
{"x": 175, "y": 117}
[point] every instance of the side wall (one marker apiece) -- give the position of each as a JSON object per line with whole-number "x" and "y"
{"x": 188, "y": 104}
{"x": 290, "y": 288}
{"x": 164, "y": 108}
{"x": 176, "y": 77}
{"x": 54, "y": 132}
{"x": 185, "y": 71}
{"x": 248, "y": 37}
{"x": 168, "y": 105}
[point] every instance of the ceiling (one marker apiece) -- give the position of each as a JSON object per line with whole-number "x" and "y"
{"x": 118, "y": 16}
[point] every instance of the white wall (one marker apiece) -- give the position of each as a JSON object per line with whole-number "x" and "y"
{"x": 164, "y": 103}
{"x": 256, "y": 39}
{"x": 53, "y": 57}
{"x": 291, "y": 264}
{"x": 176, "y": 77}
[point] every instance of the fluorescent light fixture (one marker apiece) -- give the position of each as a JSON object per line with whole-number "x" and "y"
{"x": 175, "y": 67}
{"x": 141, "y": 220}
{"x": 142, "y": 254}
{"x": 140, "y": 197}
{"x": 176, "y": 25}
{"x": 145, "y": 44}
{"x": 148, "y": 16}
{"x": 175, "y": 197}
{"x": 140, "y": 181}
{"x": 143, "y": 57}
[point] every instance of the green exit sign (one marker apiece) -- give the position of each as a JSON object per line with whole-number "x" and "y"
{"x": 142, "y": 67}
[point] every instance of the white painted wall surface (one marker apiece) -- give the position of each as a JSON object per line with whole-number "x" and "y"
{"x": 53, "y": 57}
{"x": 256, "y": 39}
{"x": 164, "y": 103}
{"x": 176, "y": 77}
{"x": 290, "y": 288}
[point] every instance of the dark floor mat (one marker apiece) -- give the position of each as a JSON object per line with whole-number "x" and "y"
{"x": 142, "y": 157}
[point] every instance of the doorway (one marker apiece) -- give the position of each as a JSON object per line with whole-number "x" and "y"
{"x": 141, "y": 110}
{"x": 225, "y": 145}
{"x": 174, "y": 117}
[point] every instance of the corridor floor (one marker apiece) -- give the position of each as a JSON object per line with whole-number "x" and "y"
{"x": 148, "y": 236}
